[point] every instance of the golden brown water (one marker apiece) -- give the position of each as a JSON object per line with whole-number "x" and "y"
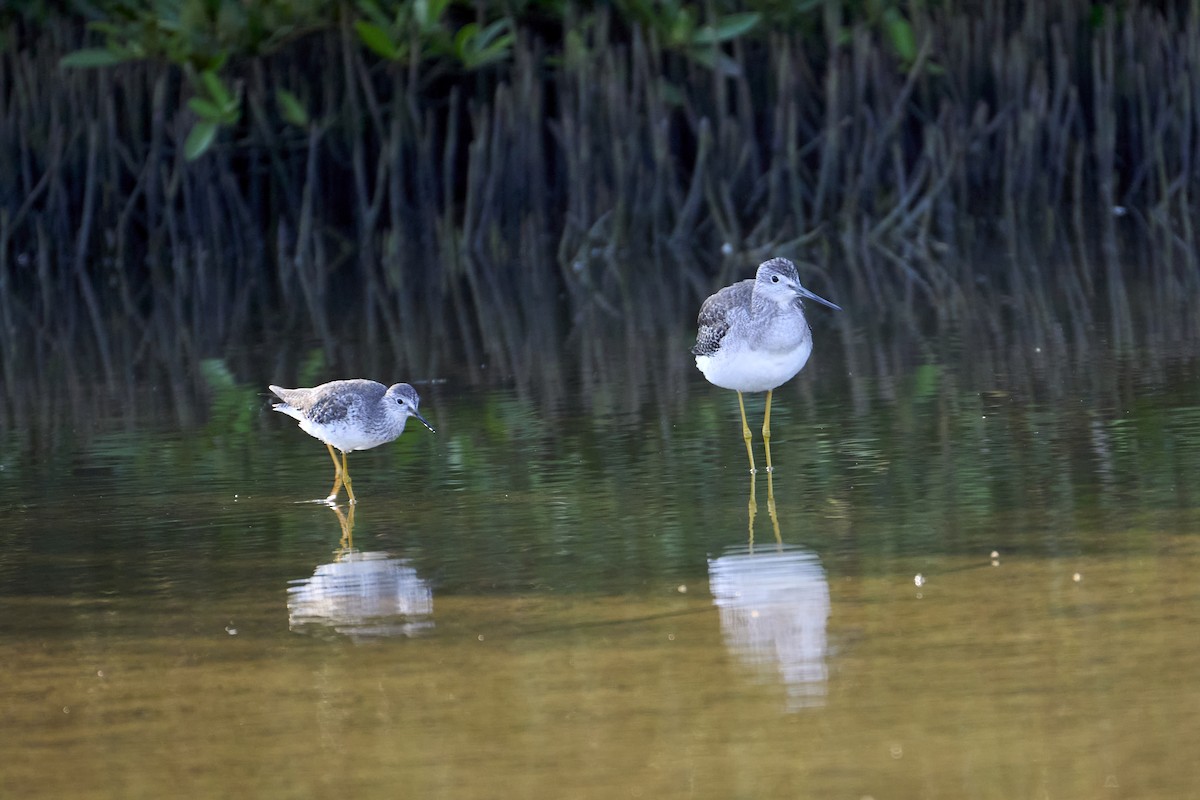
{"x": 567, "y": 607}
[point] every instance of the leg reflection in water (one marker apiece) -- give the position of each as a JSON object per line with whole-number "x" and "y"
{"x": 771, "y": 512}
{"x": 346, "y": 543}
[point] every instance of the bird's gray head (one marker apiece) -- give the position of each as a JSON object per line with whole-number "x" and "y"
{"x": 406, "y": 399}
{"x": 777, "y": 280}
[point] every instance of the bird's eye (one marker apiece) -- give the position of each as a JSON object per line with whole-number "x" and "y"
{"x": 774, "y": 279}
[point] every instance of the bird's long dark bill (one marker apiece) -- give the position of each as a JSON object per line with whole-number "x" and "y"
{"x": 424, "y": 421}
{"x": 806, "y": 293}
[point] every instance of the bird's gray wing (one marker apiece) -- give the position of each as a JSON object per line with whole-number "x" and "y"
{"x": 713, "y": 322}
{"x": 331, "y": 408}
{"x": 708, "y": 338}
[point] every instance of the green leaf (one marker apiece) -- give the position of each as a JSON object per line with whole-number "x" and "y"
{"x": 728, "y": 27}
{"x": 462, "y": 39}
{"x": 291, "y": 108}
{"x": 377, "y": 39}
{"x": 680, "y": 30}
{"x": 491, "y": 34}
{"x": 428, "y": 13}
{"x": 715, "y": 60}
{"x": 477, "y": 47}
{"x": 206, "y": 109}
{"x": 199, "y": 139}
{"x": 421, "y": 13}
{"x": 497, "y": 51}
{"x": 216, "y": 89}
{"x": 901, "y": 33}
{"x": 91, "y": 57}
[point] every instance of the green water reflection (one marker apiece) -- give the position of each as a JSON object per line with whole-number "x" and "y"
{"x": 562, "y": 602}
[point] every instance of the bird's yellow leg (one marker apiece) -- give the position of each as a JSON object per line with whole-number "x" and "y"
{"x": 767, "y": 431}
{"x": 346, "y": 480}
{"x": 746, "y": 433}
{"x": 337, "y": 476}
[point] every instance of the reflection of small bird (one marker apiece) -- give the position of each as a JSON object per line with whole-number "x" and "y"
{"x": 350, "y": 415}
{"x": 753, "y": 337}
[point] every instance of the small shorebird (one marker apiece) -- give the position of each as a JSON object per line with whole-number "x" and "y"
{"x": 753, "y": 337}
{"x": 350, "y": 415}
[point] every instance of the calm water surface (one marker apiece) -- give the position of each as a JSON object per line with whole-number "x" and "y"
{"x": 972, "y": 595}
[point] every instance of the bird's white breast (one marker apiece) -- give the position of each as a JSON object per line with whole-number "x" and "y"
{"x": 346, "y": 437}
{"x": 745, "y": 370}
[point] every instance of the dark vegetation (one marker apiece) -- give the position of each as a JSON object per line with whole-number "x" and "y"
{"x": 426, "y": 188}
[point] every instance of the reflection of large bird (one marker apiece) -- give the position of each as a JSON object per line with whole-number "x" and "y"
{"x": 362, "y": 595}
{"x": 774, "y": 607}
